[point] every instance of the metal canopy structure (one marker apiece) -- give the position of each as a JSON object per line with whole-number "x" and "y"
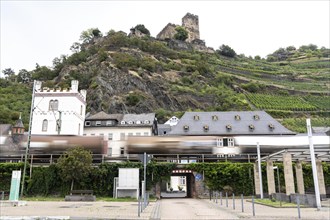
{"x": 300, "y": 154}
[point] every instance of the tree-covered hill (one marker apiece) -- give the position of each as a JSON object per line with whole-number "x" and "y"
{"x": 127, "y": 74}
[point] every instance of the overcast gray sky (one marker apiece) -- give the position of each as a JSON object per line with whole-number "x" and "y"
{"x": 38, "y": 31}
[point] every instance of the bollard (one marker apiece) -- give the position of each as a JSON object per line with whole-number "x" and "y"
{"x": 221, "y": 198}
{"x": 210, "y": 196}
{"x": 254, "y": 214}
{"x": 298, "y": 206}
{"x": 226, "y": 199}
{"x": 2, "y": 195}
{"x": 234, "y": 201}
{"x": 216, "y": 197}
{"x": 242, "y": 198}
{"x": 139, "y": 206}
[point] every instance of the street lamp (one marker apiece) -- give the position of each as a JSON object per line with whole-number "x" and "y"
{"x": 278, "y": 183}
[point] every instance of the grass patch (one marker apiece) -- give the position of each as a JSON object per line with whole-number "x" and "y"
{"x": 276, "y": 204}
{"x": 110, "y": 199}
{"x": 43, "y": 198}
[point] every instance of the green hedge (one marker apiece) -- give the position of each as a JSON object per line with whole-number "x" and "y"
{"x": 217, "y": 175}
{"x": 47, "y": 180}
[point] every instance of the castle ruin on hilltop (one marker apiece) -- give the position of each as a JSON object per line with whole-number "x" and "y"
{"x": 189, "y": 22}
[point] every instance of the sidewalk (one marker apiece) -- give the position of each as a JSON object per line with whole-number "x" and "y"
{"x": 76, "y": 210}
{"x": 266, "y": 212}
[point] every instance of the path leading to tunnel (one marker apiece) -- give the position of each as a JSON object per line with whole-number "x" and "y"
{"x": 191, "y": 209}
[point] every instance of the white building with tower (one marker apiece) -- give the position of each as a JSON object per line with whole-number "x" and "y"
{"x": 58, "y": 111}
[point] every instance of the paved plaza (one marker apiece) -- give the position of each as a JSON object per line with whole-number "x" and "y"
{"x": 164, "y": 209}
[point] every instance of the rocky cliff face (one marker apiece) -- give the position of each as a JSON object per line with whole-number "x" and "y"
{"x": 132, "y": 75}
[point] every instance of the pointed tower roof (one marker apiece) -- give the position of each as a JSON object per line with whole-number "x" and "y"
{"x": 19, "y": 122}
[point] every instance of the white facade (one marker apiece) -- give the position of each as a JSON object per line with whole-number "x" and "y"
{"x": 58, "y": 112}
{"x": 172, "y": 121}
{"x": 176, "y": 182}
{"x": 117, "y": 136}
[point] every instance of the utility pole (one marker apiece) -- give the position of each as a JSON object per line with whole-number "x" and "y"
{"x": 29, "y": 138}
{"x": 311, "y": 149}
{"x": 260, "y": 174}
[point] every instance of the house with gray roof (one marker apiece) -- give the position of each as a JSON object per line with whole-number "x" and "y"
{"x": 229, "y": 124}
{"x": 115, "y": 128}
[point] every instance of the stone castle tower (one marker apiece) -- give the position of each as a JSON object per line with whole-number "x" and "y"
{"x": 191, "y": 24}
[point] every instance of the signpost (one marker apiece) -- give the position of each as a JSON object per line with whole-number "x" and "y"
{"x": 14, "y": 187}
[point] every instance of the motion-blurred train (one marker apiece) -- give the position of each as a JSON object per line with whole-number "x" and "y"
{"x": 51, "y": 144}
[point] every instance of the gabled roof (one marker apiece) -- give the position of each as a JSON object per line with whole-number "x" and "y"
{"x": 4, "y": 129}
{"x": 138, "y": 120}
{"x": 125, "y": 120}
{"x": 229, "y": 123}
{"x": 19, "y": 124}
{"x": 104, "y": 116}
{"x": 163, "y": 129}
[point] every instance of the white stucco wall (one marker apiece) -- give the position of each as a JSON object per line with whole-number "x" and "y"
{"x": 71, "y": 104}
{"x": 115, "y": 145}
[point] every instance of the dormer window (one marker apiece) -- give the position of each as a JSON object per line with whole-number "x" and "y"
{"x": 271, "y": 127}
{"x": 122, "y": 122}
{"x": 186, "y": 128}
{"x": 146, "y": 121}
{"x": 130, "y": 122}
{"x": 206, "y": 128}
{"x": 87, "y": 123}
{"x": 196, "y": 117}
{"x": 138, "y": 122}
{"x": 214, "y": 117}
{"x": 251, "y": 127}
{"x": 98, "y": 123}
{"x": 237, "y": 117}
{"x": 109, "y": 123}
{"x": 256, "y": 117}
{"x": 228, "y": 127}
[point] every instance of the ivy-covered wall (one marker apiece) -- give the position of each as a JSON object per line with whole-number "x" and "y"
{"x": 47, "y": 180}
{"x": 239, "y": 176}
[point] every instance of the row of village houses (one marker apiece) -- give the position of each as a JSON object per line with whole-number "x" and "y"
{"x": 63, "y": 113}
{"x": 59, "y": 121}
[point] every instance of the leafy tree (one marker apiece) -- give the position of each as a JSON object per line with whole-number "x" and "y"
{"x": 291, "y": 48}
{"x": 75, "y": 165}
{"x": 181, "y": 33}
{"x": 257, "y": 57}
{"x": 75, "y": 47}
{"x": 87, "y": 35}
{"x": 305, "y": 48}
{"x": 24, "y": 76}
{"x": 43, "y": 73}
{"x": 226, "y": 50}
{"x": 8, "y": 72}
{"x": 96, "y": 32}
{"x": 143, "y": 29}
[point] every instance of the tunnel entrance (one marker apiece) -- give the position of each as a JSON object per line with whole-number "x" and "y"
{"x": 181, "y": 185}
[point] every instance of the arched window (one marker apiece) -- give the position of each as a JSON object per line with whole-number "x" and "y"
{"x": 55, "y": 105}
{"x": 44, "y": 125}
{"x": 51, "y": 103}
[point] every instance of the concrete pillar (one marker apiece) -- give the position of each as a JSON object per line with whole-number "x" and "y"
{"x": 256, "y": 179}
{"x": 288, "y": 173}
{"x": 320, "y": 177}
{"x": 270, "y": 178}
{"x": 300, "y": 178}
